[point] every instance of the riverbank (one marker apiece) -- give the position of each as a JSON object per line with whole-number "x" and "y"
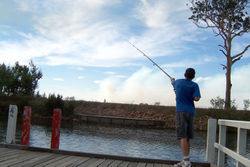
{"x": 165, "y": 114}
{"x": 142, "y": 112}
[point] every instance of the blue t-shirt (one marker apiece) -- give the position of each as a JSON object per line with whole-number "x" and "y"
{"x": 186, "y": 91}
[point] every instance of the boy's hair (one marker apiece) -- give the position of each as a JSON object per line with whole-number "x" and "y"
{"x": 190, "y": 73}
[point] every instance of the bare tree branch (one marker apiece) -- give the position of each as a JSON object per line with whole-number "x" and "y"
{"x": 239, "y": 33}
{"x": 222, "y": 47}
{"x": 224, "y": 66}
{"x": 241, "y": 53}
{"x": 237, "y": 59}
{"x": 223, "y": 52}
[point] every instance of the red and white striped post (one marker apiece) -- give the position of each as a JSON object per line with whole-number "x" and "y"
{"x": 56, "y": 125}
{"x": 26, "y": 126}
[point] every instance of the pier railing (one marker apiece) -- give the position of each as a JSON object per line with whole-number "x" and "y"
{"x": 242, "y": 127}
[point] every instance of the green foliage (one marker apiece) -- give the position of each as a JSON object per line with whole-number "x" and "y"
{"x": 53, "y": 102}
{"x": 69, "y": 106}
{"x": 246, "y": 103}
{"x": 224, "y": 14}
{"x": 19, "y": 80}
{"x": 217, "y": 103}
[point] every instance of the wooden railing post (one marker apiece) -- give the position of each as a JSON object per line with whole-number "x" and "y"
{"x": 241, "y": 144}
{"x": 56, "y": 125}
{"x": 222, "y": 141}
{"x": 11, "y": 127}
{"x": 211, "y": 139}
{"x": 26, "y": 126}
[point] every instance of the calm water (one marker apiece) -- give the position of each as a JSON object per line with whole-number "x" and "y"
{"x": 135, "y": 142}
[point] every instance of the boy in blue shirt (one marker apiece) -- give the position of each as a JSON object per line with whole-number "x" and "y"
{"x": 187, "y": 92}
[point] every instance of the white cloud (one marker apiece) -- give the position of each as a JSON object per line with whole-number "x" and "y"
{"x": 190, "y": 62}
{"x": 78, "y": 33}
{"x": 158, "y": 13}
{"x": 215, "y": 86}
{"x": 80, "y": 77}
{"x": 201, "y": 79}
{"x": 109, "y": 72}
{"x": 58, "y": 79}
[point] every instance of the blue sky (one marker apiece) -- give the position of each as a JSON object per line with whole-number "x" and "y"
{"x": 81, "y": 48}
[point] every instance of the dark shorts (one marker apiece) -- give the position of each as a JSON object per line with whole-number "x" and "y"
{"x": 184, "y": 125}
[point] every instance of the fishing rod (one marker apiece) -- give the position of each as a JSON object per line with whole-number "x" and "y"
{"x": 151, "y": 60}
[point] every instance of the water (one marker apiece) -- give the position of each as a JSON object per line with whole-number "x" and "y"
{"x": 123, "y": 141}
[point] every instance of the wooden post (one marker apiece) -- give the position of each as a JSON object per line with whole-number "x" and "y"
{"x": 56, "y": 125}
{"x": 26, "y": 126}
{"x": 222, "y": 141}
{"x": 211, "y": 139}
{"x": 241, "y": 144}
{"x": 11, "y": 128}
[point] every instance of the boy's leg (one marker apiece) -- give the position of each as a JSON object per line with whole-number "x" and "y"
{"x": 185, "y": 147}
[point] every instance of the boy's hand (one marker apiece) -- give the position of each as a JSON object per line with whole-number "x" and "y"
{"x": 172, "y": 80}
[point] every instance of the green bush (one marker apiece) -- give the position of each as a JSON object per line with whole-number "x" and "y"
{"x": 68, "y": 109}
{"x": 53, "y": 102}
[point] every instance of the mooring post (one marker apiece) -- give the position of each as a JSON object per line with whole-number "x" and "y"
{"x": 11, "y": 127}
{"x": 211, "y": 139}
{"x": 26, "y": 126}
{"x": 56, "y": 125}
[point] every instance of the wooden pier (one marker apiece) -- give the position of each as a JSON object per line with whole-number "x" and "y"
{"x": 12, "y": 155}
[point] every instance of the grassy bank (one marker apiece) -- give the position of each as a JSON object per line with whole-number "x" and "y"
{"x": 72, "y": 109}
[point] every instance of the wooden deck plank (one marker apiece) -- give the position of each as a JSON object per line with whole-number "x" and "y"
{"x": 3, "y": 150}
{"x": 57, "y": 158}
{"x": 4, "y": 158}
{"x": 132, "y": 164}
{"x": 115, "y": 163}
{"x": 141, "y": 164}
{"x": 96, "y": 163}
{"x": 88, "y": 162}
{"x": 32, "y": 160}
{"x": 78, "y": 162}
{"x": 106, "y": 163}
{"x": 124, "y": 164}
{"x": 22, "y": 156}
{"x": 8, "y": 152}
{"x": 16, "y": 160}
{"x": 167, "y": 165}
{"x": 150, "y": 165}
{"x": 17, "y": 153}
{"x": 70, "y": 161}
{"x": 40, "y": 160}
{"x": 60, "y": 162}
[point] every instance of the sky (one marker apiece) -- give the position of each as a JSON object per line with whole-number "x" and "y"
{"x": 82, "y": 49}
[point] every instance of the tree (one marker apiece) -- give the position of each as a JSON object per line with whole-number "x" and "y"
{"x": 5, "y": 81}
{"x": 53, "y": 102}
{"x": 217, "y": 103}
{"x": 246, "y": 103}
{"x": 228, "y": 20}
{"x": 19, "y": 80}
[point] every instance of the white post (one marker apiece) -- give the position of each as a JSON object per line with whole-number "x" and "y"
{"x": 241, "y": 144}
{"x": 211, "y": 139}
{"x": 11, "y": 128}
{"x": 222, "y": 141}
